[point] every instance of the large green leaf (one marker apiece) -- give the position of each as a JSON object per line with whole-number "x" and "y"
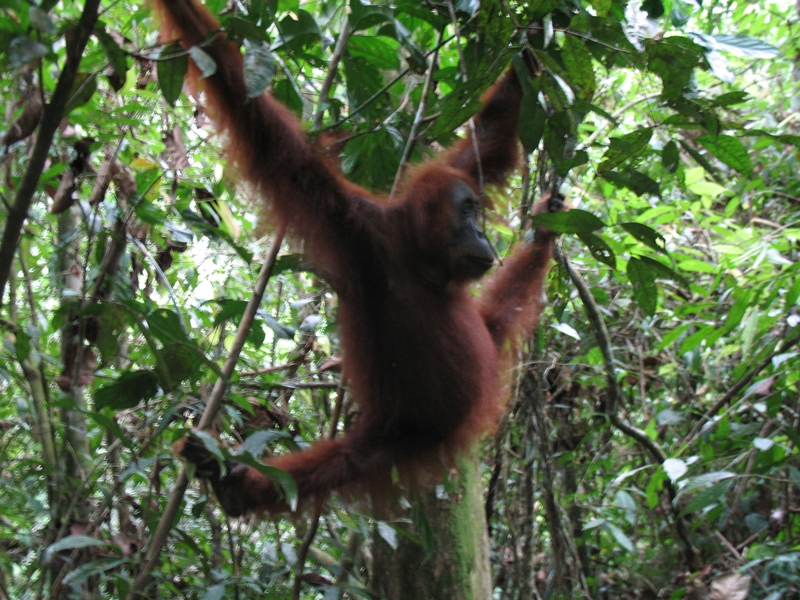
{"x": 171, "y": 68}
{"x": 729, "y": 150}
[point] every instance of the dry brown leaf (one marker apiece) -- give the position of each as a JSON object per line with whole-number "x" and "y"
{"x": 733, "y": 586}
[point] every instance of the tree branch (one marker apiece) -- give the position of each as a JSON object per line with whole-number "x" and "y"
{"x": 51, "y": 117}
{"x": 739, "y": 386}
{"x": 612, "y": 397}
{"x": 212, "y": 408}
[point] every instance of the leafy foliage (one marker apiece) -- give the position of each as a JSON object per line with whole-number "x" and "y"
{"x": 670, "y": 126}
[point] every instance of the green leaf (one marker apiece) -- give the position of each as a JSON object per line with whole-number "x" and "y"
{"x": 671, "y": 336}
{"x": 242, "y": 29}
{"x": 731, "y": 98}
{"x": 617, "y": 533}
{"x": 71, "y": 542}
{"x": 130, "y": 389}
{"x": 83, "y": 88}
{"x": 171, "y": 69}
{"x": 793, "y": 293}
{"x": 291, "y": 263}
{"x": 363, "y": 16}
{"x": 654, "y": 486}
{"x": 214, "y": 592}
{"x": 299, "y": 31}
{"x": 256, "y": 443}
{"x": 256, "y": 335}
{"x": 229, "y": 309}
{"x": 115, "y": 55}
{"x": 210, "y": 443}
{"x": 785, "y": 138}
{"x": 643, "y": 280}
{"x": 697, "y": 266}
{"x": 458, "y": 106}
{"x": 531, "y": 122}
{"x": 22, "y": 345}
{"x": 560, "y": 141}
{"x": 707, "y": 497}
{"x": 670, "y": 157}
{"x": 372, "y": 160}
{"x": 662, "y": 271}
{"x": 647, "y": 235}
{"x": 637, "y": 182}
{"x": 674, "y": 60}
{"x": 149, "y": 213}
{"x": 587, "y": 107}
{"x": 578, "y": 63}
{"x": 744, "y": 45}
{"x": 622, "y": 149}
{"x": 363, "y": 82}
{"x": 573, "y": 221}
{"x": 706, "y": 479}
{"x": 729, "y": 150}
{"x": 282, "y": 331}
{"x": 181, "y": 362}
{"x": 539, "y": 8}
{"x": 380, "y": 51}
{"x": 708, "y": 334}
{"x": 166, "y": 325}
{"x": 259, "y": 67}
{"x": 599, "y": 249}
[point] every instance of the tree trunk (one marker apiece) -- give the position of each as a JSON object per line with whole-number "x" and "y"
{"x": 795, "y": 101}
{"x": 450, "y": 560}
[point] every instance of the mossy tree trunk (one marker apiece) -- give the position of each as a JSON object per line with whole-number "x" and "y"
{"x": 449, "y": 557}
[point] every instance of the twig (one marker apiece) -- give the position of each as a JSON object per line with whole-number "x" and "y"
{"x": 212, "y": 408}
{"x": 740, "y": 558}
{"x": 215, "y": 400}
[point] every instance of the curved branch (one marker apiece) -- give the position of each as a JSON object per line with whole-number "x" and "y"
{"x": 604, "y": 342}
{"x": 612, "y": 397}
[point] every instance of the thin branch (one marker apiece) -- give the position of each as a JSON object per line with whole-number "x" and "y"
{"x": 419, "y": 118}
{"x": 473, "y": 134}
{"x": 333, "y": 65}
{"x": 217, "y": 394}
{"x": 303, "y": 553}
{"x": 212, "y": 408}
{"x": 51, "y": 117}
{"x": 739, "y": 386}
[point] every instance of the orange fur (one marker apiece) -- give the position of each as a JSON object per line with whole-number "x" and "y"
{"x": 421, "y": 353}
